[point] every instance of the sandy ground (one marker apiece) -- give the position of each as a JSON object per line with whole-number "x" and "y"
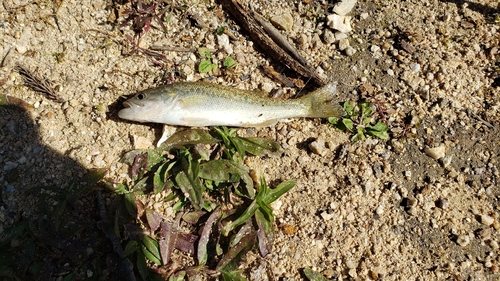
{"x": 385, "y": 210}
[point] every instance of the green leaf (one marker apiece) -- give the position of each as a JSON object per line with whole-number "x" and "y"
{"x": 359, "y": 136}
{"x": 229, "y": 62}
{"x": 257, "y": 146}
{"x": 178, "y": 276}
{"x": 205, "y": 66}
{"x": 189, "y": 187}
{"x": 131, "y": 247}
{"x": 130, "y": 204}
{"x": 273, "y": 194}
{"x": 349, "y": 107}
{"x": 205, "y": 52}
{"x": 334, "y": 120}
{"x": 349, "y": 125}
{"x": 188, "y": 137}
{"x": 264, "y": 197}
{"x": 234, "y": 275}
{"x": 380, "y": 127}
{"x": 380, "y": 135}
{"x": 366, "y": 111}
{"x": 220, "y": 30}
{"x": 223, "y": 170}
{"x": 161, "y": 175}
{"x": 142, "y": 266}
{"x": 313, "y": 275}
{"x": 150, "y": 249}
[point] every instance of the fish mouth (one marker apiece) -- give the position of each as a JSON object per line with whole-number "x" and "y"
{"x": 127, "y": 104}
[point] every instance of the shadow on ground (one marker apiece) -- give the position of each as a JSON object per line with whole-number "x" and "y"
{"x": 48, "y": 209}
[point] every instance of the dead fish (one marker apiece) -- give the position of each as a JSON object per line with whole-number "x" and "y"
{"x": 208, "y": 104}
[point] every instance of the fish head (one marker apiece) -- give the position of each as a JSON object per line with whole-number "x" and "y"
{"x": 147, "y": 106}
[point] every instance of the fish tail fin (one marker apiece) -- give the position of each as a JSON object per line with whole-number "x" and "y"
{"x": 322, "y": 104}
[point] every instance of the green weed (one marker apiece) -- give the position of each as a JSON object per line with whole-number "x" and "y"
{"x": 361, "y": 120}
{"x": 213, "y": 194}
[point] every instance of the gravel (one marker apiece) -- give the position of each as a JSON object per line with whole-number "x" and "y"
{"x": 379, "y": 210}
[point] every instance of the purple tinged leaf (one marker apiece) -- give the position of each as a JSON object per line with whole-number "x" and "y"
{"x": 193, "y": 217}
{"x": 185, "y": 242}
{"x": 169, "y": 233}
{"x": 245, "y": 244}
{"x": 154, "y": 219}
{"x": 133, "y": 232}
{"x": 244, "y": 231}
{"x": 140, "y": 163}
{"x": 264, "y": 233}
{"x": 205, "y": 235}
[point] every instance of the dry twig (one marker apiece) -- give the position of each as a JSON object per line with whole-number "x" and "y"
{"x": 258, "y": 34}
{"x": 37, "y": 84}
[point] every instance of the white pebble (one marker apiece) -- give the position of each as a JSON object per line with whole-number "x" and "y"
{"x": 415, "y": 67}
{"x": 344, "y": 7}
{"x": 343, "y": 44}
{"x": 436, "y": 152}
{"x": 340, "y": 23}
{"x": 487, "y": 220}
{"x": 390, "y": 72}
{"x": 350, "y": 51}
{"x": 374, "y": 48}
{"x": 223, "y": 41}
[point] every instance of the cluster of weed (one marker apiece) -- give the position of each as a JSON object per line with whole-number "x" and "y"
{"x": 214, "y": 195}
{"x": 361, "y": 120}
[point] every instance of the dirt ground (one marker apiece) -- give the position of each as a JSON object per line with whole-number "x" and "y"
{"x": 368, "y": 210}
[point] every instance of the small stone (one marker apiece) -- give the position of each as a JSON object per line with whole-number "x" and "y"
{"x": 415, "y": 67}
{"x": 318, "y": 147}
{"x": 326, "y": 216}
{"x": 329, "y": 37}
{"x": 329, "y": 273}
{"x": 344, "y": 7}
{"x": 436, "y": 152}
{"x": 463, "y": 240}
{"x": 380, "y": 210}
{"x": 485, "y": 234}
{"x": 343, "y": 44}
{"x": 352, "y": 273}
{"x": 223, "y": 41}
{"x": 340, "y": 23}
{"x": 374, "y": 48}
{"x": 350, "y": 51}
{"x": 283, "y": 21}
{"x": 340, "y": 35}
{"x": 141, "y": 142}
{"x": 487, "y": 220}
{"x": 350, "y": 264}
{"x": 443, "y": 203}
{"x": 390, "y": 72}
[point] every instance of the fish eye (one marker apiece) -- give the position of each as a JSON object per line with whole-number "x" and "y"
{"x": 141, "y": 96}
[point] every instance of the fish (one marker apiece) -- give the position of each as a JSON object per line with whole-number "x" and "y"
{"x": 200, "y": 104}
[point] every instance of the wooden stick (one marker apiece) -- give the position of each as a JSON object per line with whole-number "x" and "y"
{"x": 261, "y": 38}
